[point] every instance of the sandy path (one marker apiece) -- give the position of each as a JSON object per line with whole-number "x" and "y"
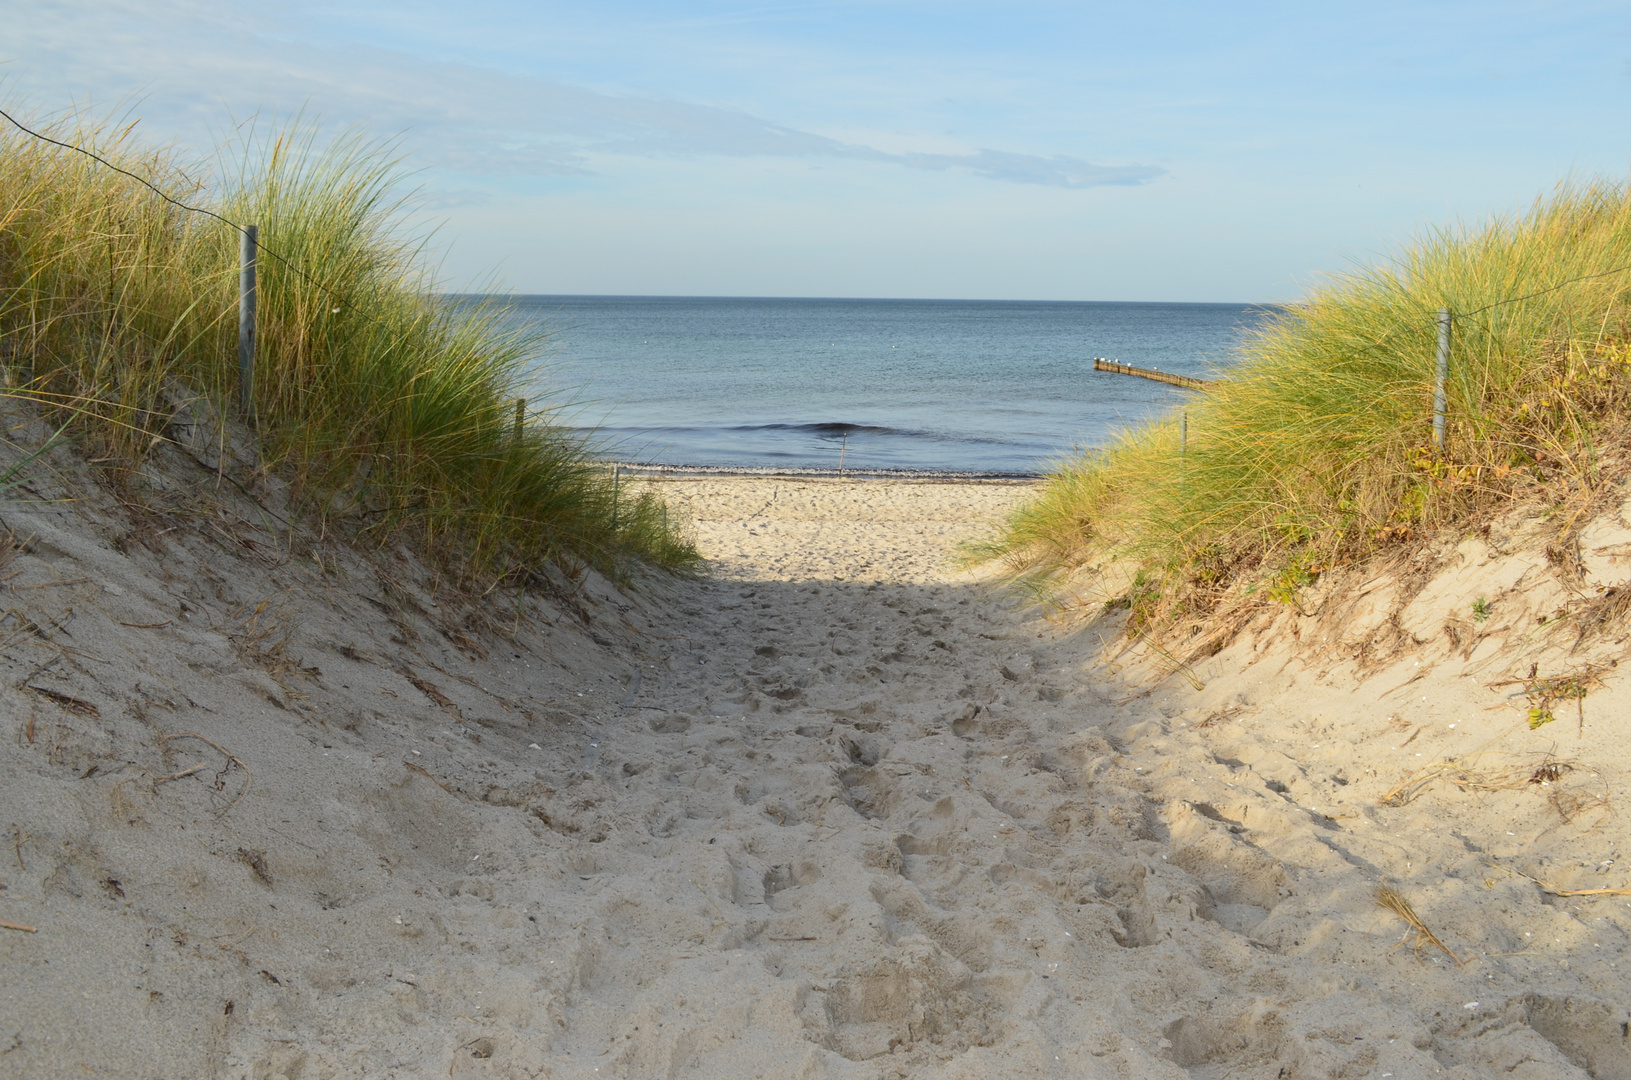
{"x": 909, "y": 833}
{"x": 838, "y": 811}
{"x": 856, "y": 782}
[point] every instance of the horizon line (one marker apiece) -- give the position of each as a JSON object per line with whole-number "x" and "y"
{"x": 859, "y": 299}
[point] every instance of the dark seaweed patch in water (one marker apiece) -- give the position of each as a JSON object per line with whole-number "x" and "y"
{"x": 839, "y": 430}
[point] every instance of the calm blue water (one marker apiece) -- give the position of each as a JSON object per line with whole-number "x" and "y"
{"x": 955, "y": 385}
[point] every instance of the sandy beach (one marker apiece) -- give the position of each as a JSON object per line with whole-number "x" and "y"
{"x": 838, "y": 810}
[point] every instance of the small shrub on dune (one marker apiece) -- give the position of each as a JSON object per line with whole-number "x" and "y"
{"x": 390, "y": 409}
{"x": 1317, "y": 449}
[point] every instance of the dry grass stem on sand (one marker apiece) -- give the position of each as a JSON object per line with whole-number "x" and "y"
{"x": 232, "y": 759}
{"x": 1546, "y": 886}
{"x": 1394, "y": 901}
{"x": 1487, "y": 771}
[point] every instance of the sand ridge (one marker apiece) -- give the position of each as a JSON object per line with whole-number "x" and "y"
{"x": 840, "y": 810}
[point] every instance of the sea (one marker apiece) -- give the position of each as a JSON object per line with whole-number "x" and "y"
{"x": 892, "y": 387}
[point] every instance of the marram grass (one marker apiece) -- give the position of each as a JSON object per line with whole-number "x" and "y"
{"x": 1317, "y": 450}
{"x": 389, "y": 409}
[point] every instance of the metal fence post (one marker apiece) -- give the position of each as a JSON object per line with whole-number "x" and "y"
{"x": 1438, "y": 380}
{"x": 246, "y": 321}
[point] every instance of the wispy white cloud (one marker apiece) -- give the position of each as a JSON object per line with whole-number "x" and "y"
{"x": 1055, "y": 171}
{"x": 456, "y": 117}
{"x": 452, "y": 199}
{"x": 479, "y": 121}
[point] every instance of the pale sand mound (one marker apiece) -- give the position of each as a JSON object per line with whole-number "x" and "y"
{"x": 838, "y": 811}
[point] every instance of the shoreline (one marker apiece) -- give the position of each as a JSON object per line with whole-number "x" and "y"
{"x": 804, "y": 472}
{"x": 823, "y": 528}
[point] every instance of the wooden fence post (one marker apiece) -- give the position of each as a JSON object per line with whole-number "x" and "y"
{"x": 1438, "y": 379}
{"x": 246, "y": 321}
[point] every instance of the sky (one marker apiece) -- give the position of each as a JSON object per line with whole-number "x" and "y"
{"x": 1000, "y": 150}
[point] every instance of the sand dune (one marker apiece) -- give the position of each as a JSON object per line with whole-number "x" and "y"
{"x": 838, "y": 811}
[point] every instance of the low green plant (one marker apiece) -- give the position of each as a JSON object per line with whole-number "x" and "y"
{"x": 1302, "y": 569}
{"x": 1316, "y": 448}
{"x": 1140, "y": 601}
{"x": 1574, "y": 686}
{"x": 1480, "y": 610}
{"x": 389, "y": 409}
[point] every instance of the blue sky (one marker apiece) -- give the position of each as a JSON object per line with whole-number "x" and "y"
{"x": 1000, "y": 150}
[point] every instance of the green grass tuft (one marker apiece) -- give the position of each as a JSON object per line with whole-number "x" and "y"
{"x": 389, "y": 409}
{"x": 1317, "y": 450}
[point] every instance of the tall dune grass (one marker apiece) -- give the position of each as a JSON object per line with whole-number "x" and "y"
{"x": 1317, "y": 450}
{"x": 390, "y": 410}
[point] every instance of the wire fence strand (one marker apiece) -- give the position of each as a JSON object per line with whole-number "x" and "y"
{"x": 167, "y": 197}
{"x": 1541, "y": 292}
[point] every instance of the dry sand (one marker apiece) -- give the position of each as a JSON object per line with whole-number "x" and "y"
{"x": 838, "y": 811}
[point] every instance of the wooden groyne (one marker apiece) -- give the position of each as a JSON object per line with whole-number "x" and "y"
{"x": 1101, "y": 364}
